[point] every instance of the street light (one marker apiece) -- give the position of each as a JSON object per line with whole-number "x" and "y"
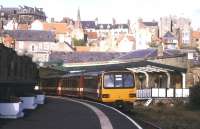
{"x": 141, "y": 78}
{"x": 2, "y": 15}
{"x": 160, "y": 78}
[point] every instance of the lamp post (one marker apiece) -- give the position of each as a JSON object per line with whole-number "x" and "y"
{"x": 2, "y": 15}
{"x": 160, "y": 79}
{"x": 141, "y": 78}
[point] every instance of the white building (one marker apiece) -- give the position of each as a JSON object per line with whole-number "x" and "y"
{"x": 61, "y": 30}
{"x": 144, "y": 33}
{"x": 37, "y": 43}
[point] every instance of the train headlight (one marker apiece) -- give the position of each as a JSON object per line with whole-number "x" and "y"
{"x": 59, "y": 88}
{"x": 36, "y": 88}
{"x": 105, "y": 95}
{"x": 132, "y": 95}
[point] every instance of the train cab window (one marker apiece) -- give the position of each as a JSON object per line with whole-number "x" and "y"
{"x": 128, "y": 80}
{"x": 118, "y": 81}
{"x": 122, "y": 80}
{"x": 109, "y": 80}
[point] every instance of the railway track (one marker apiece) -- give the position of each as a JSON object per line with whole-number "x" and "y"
{"x": 144, "y": 124}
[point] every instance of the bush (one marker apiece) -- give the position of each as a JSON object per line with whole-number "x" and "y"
{"x": 10, "y": 99}
{"x": 195, "y": 96}
{"x": 78, "y": 42}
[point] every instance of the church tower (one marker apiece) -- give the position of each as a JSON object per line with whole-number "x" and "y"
{"x": 78, "y": 21}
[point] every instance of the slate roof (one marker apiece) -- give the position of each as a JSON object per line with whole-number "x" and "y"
{"x": 104, "y": 26}
{"x": 124, "y": 26}
{"x": 88, "y": 24}
{"x": 169, "y": 36}
{"x": 150, "y": 23}
{"x": 150, "y": 53}
{"x": 78, "y": 57}
{"x": 31, "y": 35}
{"x": 110, "y": 26}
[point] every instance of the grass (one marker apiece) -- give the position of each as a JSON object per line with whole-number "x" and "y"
{"x": 166, "y": 117}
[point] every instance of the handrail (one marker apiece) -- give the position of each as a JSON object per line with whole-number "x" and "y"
{"x": 163, "y": 93}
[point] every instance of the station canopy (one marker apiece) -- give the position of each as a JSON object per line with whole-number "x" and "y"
{"x": 136, "y": 66}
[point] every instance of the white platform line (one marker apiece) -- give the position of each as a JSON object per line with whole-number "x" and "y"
{"x": 104, "y": 120}
{"x": 130, "y": 119}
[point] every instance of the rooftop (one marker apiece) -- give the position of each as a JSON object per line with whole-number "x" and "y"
{"x": 169, "y": 36}
{"x": 149, "y": 53}
{"x": 31, "y": 35}
{"x": 88, "y": 24}
{"x": 56, "y": 27}
{"x": 150, "y": 23}
{"x": 78, "y": 57}
{"x": 196, "y": 34}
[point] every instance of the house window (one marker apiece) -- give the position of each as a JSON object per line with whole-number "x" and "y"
{"x": 40, "y": 46}
{"x": 21, "y": 45}
{"x": 32, "y": 48}
{"x": 46, "y": 46}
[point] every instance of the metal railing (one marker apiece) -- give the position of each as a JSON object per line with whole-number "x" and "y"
{"x": 163, "y": 93}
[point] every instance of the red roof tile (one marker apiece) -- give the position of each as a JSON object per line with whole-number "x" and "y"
{"x": 57, "y": 27}
{"x": 196, "y": 34}
{"x": 92, "y": 35}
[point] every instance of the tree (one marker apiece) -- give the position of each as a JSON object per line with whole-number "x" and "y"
{"x": 78, "y": 42}
{"x": 195, "y": 96}
{"x": 153, "y": 44}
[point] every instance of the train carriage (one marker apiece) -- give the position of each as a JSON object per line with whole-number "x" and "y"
{"x": 105, "y": 86}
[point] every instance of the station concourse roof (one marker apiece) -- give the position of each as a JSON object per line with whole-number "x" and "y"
{"x": 137, "y": 65}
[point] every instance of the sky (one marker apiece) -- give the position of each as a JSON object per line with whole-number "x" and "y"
{"x": 121, "y": 10}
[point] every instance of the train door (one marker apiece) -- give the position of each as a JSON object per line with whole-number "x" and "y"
{"x": 81, "y": 86}
{"x": 59, "y": 86}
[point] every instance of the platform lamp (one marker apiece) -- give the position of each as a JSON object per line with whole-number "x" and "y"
{"x": 141, "y": 78}
{"x": 1, "y": 19}
{"x": 160, "y": 79}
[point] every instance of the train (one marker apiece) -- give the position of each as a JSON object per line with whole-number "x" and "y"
{"x": 107, "y": 86}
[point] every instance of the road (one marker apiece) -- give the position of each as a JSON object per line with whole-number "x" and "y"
{"x": 67, "y": 113}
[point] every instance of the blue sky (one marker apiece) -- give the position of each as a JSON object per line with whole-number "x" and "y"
{"x": 121, "y": 10}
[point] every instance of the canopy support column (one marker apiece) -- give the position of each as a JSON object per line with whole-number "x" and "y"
{"x": 168, "y": 79}
{"x": 183, "y": 80}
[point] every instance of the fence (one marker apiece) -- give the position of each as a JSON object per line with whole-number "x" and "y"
{"x": 162, "y": 93}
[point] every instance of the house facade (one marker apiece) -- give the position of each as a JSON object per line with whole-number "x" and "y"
{"x": 145, "y": 33}
{"x": 36, "y": 43}
{"x": 180, "y": 27}
{"x": 170, "y": 41}
{"x": 196, "y": 39}
{"x": 22, "y": 14}
{"x": 61, "y": 30}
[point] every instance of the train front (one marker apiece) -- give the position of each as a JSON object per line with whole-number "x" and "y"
{"x": 118, "y": 87}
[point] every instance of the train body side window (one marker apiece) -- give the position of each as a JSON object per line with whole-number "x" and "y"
{"x": 91, "y": 82}
{"x": 109, "y": 80}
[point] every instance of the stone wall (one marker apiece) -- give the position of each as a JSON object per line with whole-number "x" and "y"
{"x": 17, "y": 73}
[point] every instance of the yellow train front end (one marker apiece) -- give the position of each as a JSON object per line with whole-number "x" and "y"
{"x": 124, "y": 95}
{"x": 118, "y": 87}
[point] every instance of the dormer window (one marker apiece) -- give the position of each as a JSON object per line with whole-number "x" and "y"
{"x": 33, "y": 48}
{"x": 101, "y": 26}
{"x": 24, "y": 10}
